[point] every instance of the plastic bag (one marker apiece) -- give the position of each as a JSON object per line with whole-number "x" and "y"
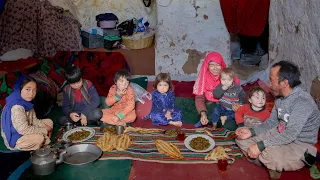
{"x": 140, "y": 92}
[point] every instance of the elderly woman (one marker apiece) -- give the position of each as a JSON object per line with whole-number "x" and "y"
{"x": 21, "y": 129}
{"x": 207, "y": 81}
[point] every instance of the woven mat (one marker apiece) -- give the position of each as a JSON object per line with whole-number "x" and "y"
{"x": 144, "y": 149}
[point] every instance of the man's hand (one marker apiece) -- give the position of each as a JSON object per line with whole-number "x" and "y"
{"x": 204, "y": 120}
{"x": 74, "y": 117}
{"x": 243, "y": 133}
{"x": 253, "y": 151}
{"x": 235, "y": 106}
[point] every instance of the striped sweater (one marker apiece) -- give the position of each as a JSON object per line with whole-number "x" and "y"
{"x": 233, "y": 94}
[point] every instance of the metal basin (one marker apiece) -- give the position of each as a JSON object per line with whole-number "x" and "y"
{"x": 81, "y": 155}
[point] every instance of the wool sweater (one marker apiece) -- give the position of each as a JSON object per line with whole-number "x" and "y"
{"x": 297, "y": 118}
{"x": 246, "y": 110}
{"x": 233, "y": 94}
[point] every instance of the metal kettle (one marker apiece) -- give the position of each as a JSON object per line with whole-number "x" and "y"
{"x": 44, "y": 161}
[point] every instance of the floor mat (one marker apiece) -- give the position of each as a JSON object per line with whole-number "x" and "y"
{"x": 144, "y": 149}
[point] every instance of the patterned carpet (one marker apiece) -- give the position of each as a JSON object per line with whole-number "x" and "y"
{"x": 144, "y": 149}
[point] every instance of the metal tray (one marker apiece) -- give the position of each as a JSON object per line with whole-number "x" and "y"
{"x": 81, "y": 155}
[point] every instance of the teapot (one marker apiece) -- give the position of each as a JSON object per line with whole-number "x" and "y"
{"x": 44, "y": 161}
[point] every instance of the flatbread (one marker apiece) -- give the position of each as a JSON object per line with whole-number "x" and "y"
{"x": 168, "y": 149}
{"x": 142, "y": 130}
{"x": 106, "y": 142}
{"x": 123, "y": 142}
{"x": 216, "y": 154}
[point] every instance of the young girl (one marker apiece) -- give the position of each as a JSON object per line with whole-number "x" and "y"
{"x": 120, "y": 101}
{"x": 163, "y": 111}
{"x": 20, "y": 128}
{"x": 254, "y": 113}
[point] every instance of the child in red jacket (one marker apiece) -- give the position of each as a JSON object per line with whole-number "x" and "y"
{"x": 254, "y": 113}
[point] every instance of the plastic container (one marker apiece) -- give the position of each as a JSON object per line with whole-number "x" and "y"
{"x": 111, "y": 32}
{"x": 92, "y": 41}
{"x": 109, "y": 24}
{"x": 109, "y": 42}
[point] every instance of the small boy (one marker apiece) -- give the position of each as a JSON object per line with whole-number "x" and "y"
{"x": 229, "y": 93}
{"x": 80, "y": 100}
{"x": 254, "y": 113}
{"x": 120, "y": 102}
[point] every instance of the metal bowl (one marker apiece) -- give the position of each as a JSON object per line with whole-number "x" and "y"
{"x": 81, "y": 155}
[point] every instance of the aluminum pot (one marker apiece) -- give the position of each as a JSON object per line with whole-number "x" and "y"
{"x": 44, "y": 161}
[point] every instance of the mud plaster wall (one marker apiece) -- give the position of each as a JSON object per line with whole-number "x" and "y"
{"x": 86, "y": 10}
{"x": 187, "y": 30}
{"x": 295, "y": 35}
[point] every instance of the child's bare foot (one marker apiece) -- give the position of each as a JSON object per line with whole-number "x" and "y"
{"x": 223, "y": 119}
{"x": 214, "y": 126}
{"x": 176, "y": 123}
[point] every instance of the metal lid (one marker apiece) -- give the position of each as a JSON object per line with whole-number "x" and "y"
{"x": 43, "y": 152}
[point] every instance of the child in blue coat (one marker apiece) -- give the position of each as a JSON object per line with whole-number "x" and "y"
{"x": 163, "y": 111}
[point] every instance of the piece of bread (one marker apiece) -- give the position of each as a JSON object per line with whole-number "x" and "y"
{"x": 123, "y": 142}
{"x": 142, "y": 130}
{"x": 168, "y": 149}
{"x": 216, "y": 154}
{"x": 106, "y": 142}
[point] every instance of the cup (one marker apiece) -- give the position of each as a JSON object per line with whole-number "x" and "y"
{"x": 222, "y": 165}
{"x": 119, "y": 130}
{"x": 68, "y": 126}
{"x": 181, "y": 135}
{"x": 66, "y": 144}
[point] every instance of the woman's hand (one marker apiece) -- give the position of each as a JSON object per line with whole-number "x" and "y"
{"x": 204, "y": 120}
{"x": 74, "y": 117}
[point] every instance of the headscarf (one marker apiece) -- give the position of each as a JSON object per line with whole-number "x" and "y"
{"x": 206, "y": 81}
{"x": 6, "y": 123}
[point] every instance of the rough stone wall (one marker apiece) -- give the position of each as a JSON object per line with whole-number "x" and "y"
{"x": 187, "y": 30}
{"x": 295, "y": 35}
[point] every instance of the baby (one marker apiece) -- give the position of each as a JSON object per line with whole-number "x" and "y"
{"x": 228, "y": 93}
{"x": 254, "y": 113}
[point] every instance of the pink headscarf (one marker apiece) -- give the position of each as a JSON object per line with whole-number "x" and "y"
{"x": 206, "y": 81}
